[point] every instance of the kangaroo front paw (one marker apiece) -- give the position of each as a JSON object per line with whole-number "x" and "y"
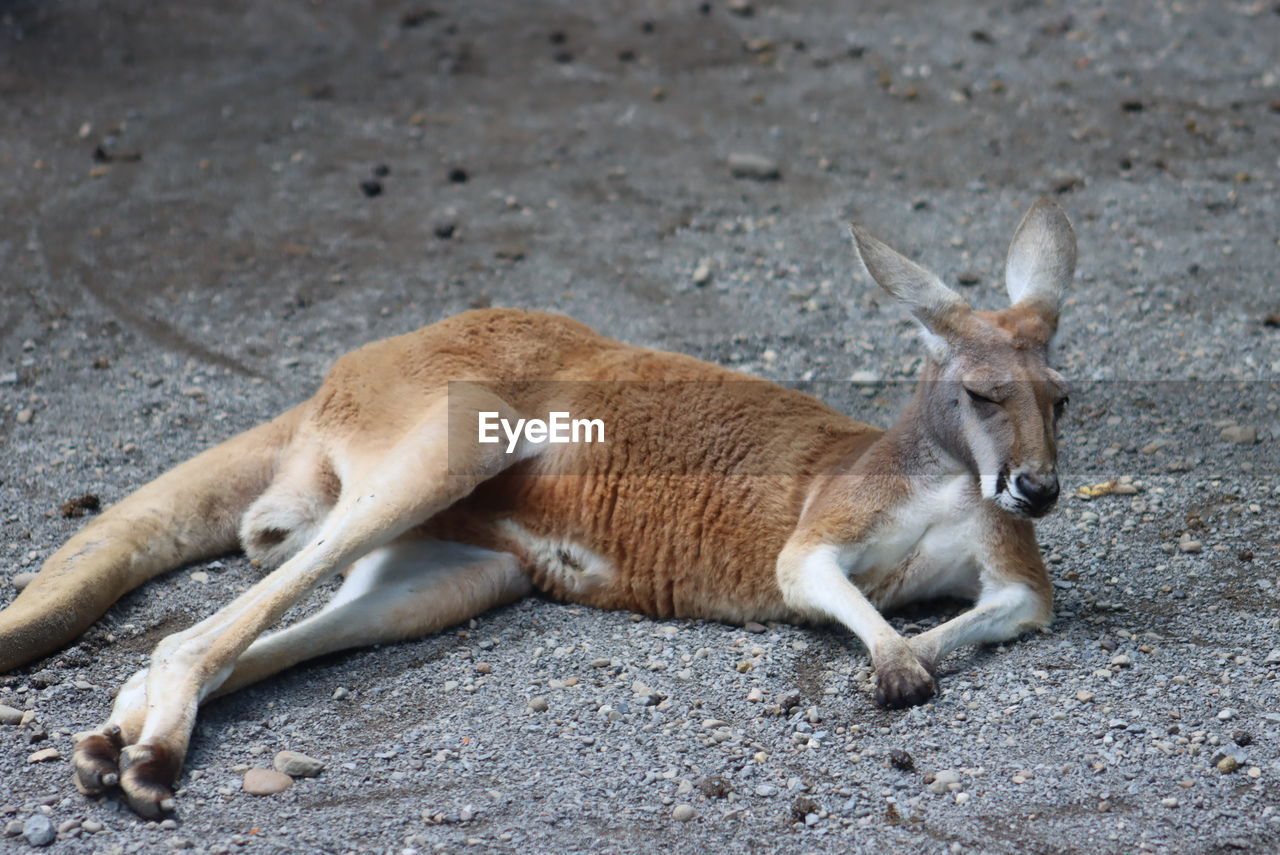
{"x": 147, "y": 776}
{"x": 96, "y": 760}
{"x": 903, "y": 683}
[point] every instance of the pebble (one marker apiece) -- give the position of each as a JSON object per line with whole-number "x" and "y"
{"x": 1227, "y": 714}
{"x": 752, "y": 626}
{"x": 943, "y": 780}
{"x": 13, "y": 828}
{"x": 538, "y": 704}
{"x": 25, "y": 416}
{"x": 340, "y": 693}
{"x": 1240, "y": 434}
{"x": 297, "y": 765}
{"x": 753, "y": 166}
{"x": 1169, "y": 802}
{"x": 45, "y": 754}
{"x": 1084, "y": 696}
{"x": 91, "y": 826}
{"x": 371, "y": 187}
{"x": 601, "y": 663}
{"x": 901, "y": 760}
{"x": 22, "y": 580}
{"x": 201, "y": 577}
{"x": 961, "y": 798}
{"x": 1190, "y": 546}
{"x": 702, "y": 274}
{"x": 1227, "y": 765}
{"x": 9, "y": 715}
{"x": 1121, "y": 660}
{"x": 683, "y": 813}
{"x": 38, "y": 830}
{"x": 266, "y": 782}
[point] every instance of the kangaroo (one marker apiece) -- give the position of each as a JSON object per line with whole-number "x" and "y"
{"x": 713, "y": 495}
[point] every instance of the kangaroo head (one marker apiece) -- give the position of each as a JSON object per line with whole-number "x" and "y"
{"x": 989, "y": 398}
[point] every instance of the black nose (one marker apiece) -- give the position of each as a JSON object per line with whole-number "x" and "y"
{"x": 1040, "y": 491}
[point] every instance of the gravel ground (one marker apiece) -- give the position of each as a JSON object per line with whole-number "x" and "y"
{"x": 189, "y": 236}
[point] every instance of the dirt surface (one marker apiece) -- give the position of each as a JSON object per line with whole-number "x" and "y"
{"x": 188, "y": 239}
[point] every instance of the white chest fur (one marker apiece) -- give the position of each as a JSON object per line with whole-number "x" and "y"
{"x": 929, "y": 547}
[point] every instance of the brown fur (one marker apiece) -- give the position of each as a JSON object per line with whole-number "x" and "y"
{"x": 714, "y": 495}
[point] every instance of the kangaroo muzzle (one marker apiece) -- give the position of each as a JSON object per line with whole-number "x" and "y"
{"x": 1034, "y": 492}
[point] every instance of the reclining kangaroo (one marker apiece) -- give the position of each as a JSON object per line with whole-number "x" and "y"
{"x": 714, "y": 496}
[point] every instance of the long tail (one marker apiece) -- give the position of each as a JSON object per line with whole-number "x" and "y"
{"x": 189, "y": 513}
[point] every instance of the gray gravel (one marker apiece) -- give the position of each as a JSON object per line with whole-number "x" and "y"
{"x": 199, "y": 273}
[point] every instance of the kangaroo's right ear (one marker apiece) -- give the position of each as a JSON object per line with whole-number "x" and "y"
{"x": 934, "y": 305}
{"x": 1042, "y": 259}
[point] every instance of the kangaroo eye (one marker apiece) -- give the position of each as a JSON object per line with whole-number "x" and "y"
{"x": 978, "y": 399}
{"x": 1060, "y": 407}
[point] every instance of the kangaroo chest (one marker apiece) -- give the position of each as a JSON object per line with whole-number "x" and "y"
{"x": 928, "y": 547}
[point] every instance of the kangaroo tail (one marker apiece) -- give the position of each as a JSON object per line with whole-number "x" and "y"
{"x": 189, "y": 513}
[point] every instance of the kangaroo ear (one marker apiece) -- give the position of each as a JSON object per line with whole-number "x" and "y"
{"x": 934, "y": 305}
{"x": 1042, "y": 259}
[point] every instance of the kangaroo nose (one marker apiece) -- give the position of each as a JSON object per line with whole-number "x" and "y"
{"x": 1040, "y": 491}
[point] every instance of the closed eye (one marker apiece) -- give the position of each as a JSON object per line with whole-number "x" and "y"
{"x": 979, "y": 399}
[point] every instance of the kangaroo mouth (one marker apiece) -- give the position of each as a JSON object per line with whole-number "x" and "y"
{"x": 1021, "y": 506}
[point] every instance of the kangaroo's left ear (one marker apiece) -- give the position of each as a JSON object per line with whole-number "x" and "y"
{"x": 1042, "y": 259}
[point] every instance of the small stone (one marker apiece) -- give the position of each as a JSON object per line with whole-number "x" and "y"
{"x": 1190, "y": 547}
{"x": 901, "y": 760}
{"x": 9, "y": 715}
{"x": 179, "y": 843}
{"x": 458, "y": 175}
{"x": 1242, "y": 738}
{"x": 22, "y": 580}
{"x": 13, "y": 828}
{"x": 1242, "y": 435}
{"x": 297, "y": 765}
{"x": 1169, "y": 802}
{"x": 741, "y": 8}
{"x": 715, "y": 787}
{"x": 683, "y": 813}
{"x": 91, "y": 826}
{"x": 752, "y": 626}
{"x": 1121, "y": 660}
{"x": 25, "y": 416}
{"x": 484, "y": 668}
{"x": 702, "y": 274}
{"x": 201, "y": 577}
{"x": 38, "y": 830}
{"x": 1084, "y": 696}
{"x": 1227, "y": 765}
{"x": 44, "y": 755}
{"x": 961, "y": 798}
{"x": 753, "y": 166}
{"x": 943, "y": 780}
{"x": 445, "y": 230}
{"x": 371, "y": 187}
{"x": 538, "y": 704}
{"x": 755, "y": 696}
{"x": 601, "y": 662}
{"x": 340, "y": 693}
{"x": 1227, "y": 714}
{"x": 266, "y": 782}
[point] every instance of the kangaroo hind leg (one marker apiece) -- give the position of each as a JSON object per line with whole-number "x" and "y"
{"x": 428, "y": 467}
{"x": 407, "y": 590}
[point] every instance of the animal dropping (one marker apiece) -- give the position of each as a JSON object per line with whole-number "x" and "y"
{"x": 711, "y": 495}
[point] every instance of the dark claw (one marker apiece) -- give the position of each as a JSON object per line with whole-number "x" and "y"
{"x": 903, "y": 686}
{"x": 147, "y": 774}
{"x": 95, "y": 760}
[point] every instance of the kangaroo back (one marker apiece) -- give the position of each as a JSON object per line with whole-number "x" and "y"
{"x": 189, "y": 513}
